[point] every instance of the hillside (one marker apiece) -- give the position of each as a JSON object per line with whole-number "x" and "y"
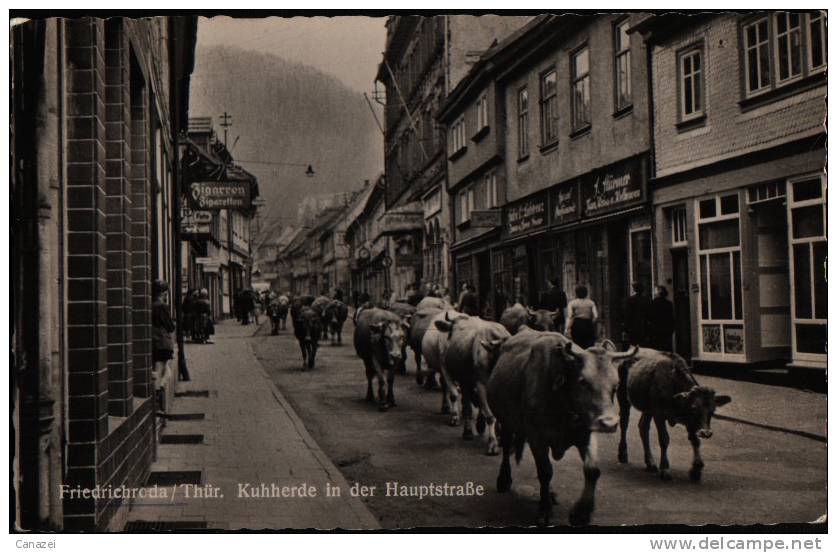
{"x": 288, "y": 112}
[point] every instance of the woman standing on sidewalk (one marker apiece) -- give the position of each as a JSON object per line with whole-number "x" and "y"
{"x": 162, "y": 343}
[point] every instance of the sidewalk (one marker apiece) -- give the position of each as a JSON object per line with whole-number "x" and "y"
{"x": 250, "y": 435}
{"x": 775, "y": 407}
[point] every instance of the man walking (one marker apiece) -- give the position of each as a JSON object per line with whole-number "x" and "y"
{"x": 554, "y": 299}
{"x": 635, "y": 325}
{"x": 661, "y": 319}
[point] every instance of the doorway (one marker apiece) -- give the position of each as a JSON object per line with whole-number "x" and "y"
{"x": 682, "y": 314}
{"x": 484, "y": 283}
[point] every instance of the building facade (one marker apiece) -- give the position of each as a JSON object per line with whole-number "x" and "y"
{"x": 739, "y": 187}
{"x": 424, "y": 60}
{"x": 97, "y": 107}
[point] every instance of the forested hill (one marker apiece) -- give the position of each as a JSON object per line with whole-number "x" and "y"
{"x": 287, "y": 112}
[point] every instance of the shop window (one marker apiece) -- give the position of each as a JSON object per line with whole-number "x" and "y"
{"x": 641, "y": 255}
{"x": 719, "y": 265}
{"x": 808, "y": 255}
{"x": 622, "y": 64}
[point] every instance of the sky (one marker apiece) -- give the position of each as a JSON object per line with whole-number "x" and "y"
{"x": 349, "y": 48}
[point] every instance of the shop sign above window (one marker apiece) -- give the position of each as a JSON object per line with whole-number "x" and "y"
{"x": 563, "y": 203}
{"x": 526, "y": 215}
{"x": 613, "y": 188}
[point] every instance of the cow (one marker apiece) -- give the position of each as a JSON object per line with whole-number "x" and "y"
{"x": 297, "y": 304}
{"x": 473, "y": 345}
{"x": 336, "y": 314}
{"x": 308, "y": 327}
{"x": 379, "y": 341}
{"x": 428, "y": 302}
{"x": 518, "y": 315}
{"x": 405, "y": 311}
{"x": 420, "y": 323}
{"x": 548, "y": 392}
{"x": 320, "y": 304}
{"x": 434, "y": 346}
{"x": 661, "y": 386}
{"x": 277, "y": 310}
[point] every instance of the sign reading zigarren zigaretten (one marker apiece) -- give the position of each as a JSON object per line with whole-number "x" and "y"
{"x": 218, "y": 195}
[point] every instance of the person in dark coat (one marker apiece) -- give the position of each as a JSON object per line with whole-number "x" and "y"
{"x": 635, "y": 329}
{"x": 414, "y": 294}
{"x": 661, "y": 320}
{"x": 338, "y": 294}
{"x": 162, "y": 340}
{"x": 555, "y": 299}
{"x": 469, "y": 302}
{"x": 500, "y": 302}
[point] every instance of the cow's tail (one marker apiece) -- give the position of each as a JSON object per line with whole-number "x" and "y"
{"x": 519, "y": 445}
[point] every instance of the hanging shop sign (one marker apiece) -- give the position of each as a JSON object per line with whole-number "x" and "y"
{"x": 486, "y": 218}
{"x": 394, "y": 222}
{"x": 526, "y": 215}
{"x": 196, "y": 223}
{"x": 408, "y": 259}
{"x": 563, "y": 203}
{"x": 217, "y": 195}
{"x": 615, "y": 187}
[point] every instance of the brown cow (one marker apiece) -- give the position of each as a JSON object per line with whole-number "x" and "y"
{"x": 546, "y": 391}
{"x": 434, "y": 345}
{"x": 420, "y": 323}
{"x": 661, "y": 386}
{"x": 379, "y": 342}
{"x": 518, "y": 315}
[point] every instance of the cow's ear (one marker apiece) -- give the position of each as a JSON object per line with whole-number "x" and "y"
{"x": 444, "y": 326}
{"x": 376, "y": 328}
{"x": 722, "y": 400}
{"x": 492, "y": 345}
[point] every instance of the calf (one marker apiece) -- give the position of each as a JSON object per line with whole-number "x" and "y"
{"x": 379, "y": 341}
{"x": 307, "y": 329}
{"x": 336, "y": 314}
{"x": 661, "y": 386}
{"x": 546, "y": 391}
{"x": 517, "y": 315}
{"x": 471, "y": 353}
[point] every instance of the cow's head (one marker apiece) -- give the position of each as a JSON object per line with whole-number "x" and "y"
{"x": 540, "y": 319}
{"x": 391, "y": 336}
{"x": 448, "y": 324}
{"x": 696, "y": 407}
{"x": 592, "y": 386}
{"x": 311, "y": 325}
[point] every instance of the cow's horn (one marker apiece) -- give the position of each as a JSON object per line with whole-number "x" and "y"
{"x": 624, "y": 355}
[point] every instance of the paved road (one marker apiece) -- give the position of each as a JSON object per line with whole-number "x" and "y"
{"x": 752, "y": 475}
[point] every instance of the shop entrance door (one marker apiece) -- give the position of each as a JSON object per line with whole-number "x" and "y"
{"x": 484, "y": 284}
{"x": 615, "y": 290}
{"x": 682, "y": 314}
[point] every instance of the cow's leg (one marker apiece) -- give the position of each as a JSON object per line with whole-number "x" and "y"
{"x": 419, "y": 374}
{"x": 624, "y": 419}
{"x": 370, "y": 375}
{"x": 304, "y": 349}
{"x": 402, "y": 363}
{"x": 490, "y": 420}
{"x": 581, "y": 511}
{"x": 644, "y": 430}
{"x": 697, "y": 461}
{"x": 453, "y": 396}
{"x": 390, "y": 382}
{"x": 445, "y": 398}
{"x": 370, "y": 397}
{"x": 467, "y": 413}
{"x": 312, "y": 355}
{"x": 544, "y": 466}
{"x": 504, "y": 479}
{"x": 663, "y": 438}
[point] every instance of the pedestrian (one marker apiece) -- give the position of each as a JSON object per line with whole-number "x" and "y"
{"x": 635, "y": 325}
{"x": 554, "y": 299}
{"x": 414, "y": 294}
{"x": 188, "y": 309}
{"x": 162, "y": 342}
{"x": 582, "y": 317}
{"x": 500, "y": 302}
{"x": 338, "y": 294}
{"x": 661, "y": 320}
{"x": 204, "y": 309}
{"x": 468, "y": 301}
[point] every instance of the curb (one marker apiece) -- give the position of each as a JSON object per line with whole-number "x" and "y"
{"x": 366, "y": 520}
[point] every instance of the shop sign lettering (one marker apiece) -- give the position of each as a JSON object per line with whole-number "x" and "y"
{"x": 564, "y": 204}
{"x": 214, "y": 196}
{"x": 613, "y": 188}
{"x": 527, "y": 215}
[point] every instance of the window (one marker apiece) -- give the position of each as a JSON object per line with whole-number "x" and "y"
{"x": 788, "y": 45}
{"x": 549, "y": 107}
{"x": 678, "y": 226}
{"x": 522, "y": 122}
{"x": 457, "y": 135}
{"x": 482, "y": 112}
{"x": 757, "y": 56}
{"x": 808, "y": 253}
{"x": 816, "y": 41}
{"x": 581, "y": 88}
{"x": 782, "y": 48}
{"x": 719, "y": 267}
{"x": 765, "y": 191}
{"x": 466, "y": 204}
{"x": 491, "y": 190}
{"x": 622, "y": 64}
{"x": 691, "y": 84}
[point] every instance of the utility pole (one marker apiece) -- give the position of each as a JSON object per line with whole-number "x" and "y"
{"x": 226, "y": 122}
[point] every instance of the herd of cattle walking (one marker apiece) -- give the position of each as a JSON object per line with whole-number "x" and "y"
{"x": 529, "y": 383}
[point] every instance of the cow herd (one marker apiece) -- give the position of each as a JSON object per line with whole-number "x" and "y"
{"x": 528, "y": 383}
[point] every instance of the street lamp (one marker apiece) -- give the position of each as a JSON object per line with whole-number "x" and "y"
{"x": 309, "y": 170}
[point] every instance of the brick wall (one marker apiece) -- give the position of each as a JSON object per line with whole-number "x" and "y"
{"x": 86, "y": 264}
{"x": 728, "y": 130}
